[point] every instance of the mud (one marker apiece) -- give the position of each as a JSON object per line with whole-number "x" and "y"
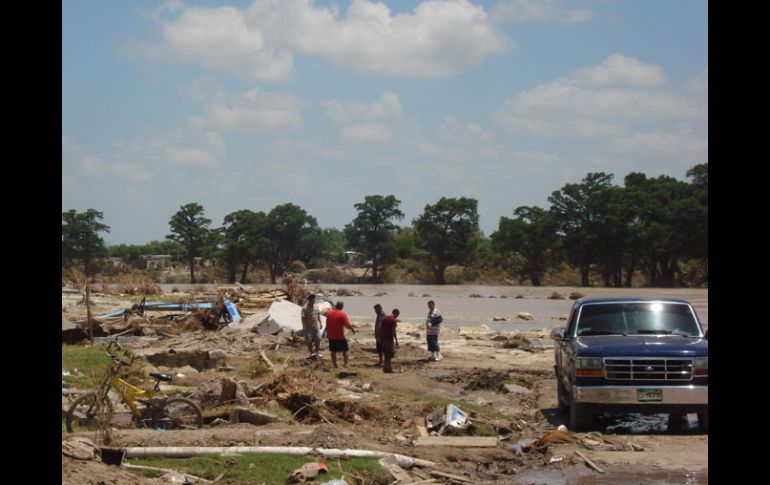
{"x": 368, "y": 409}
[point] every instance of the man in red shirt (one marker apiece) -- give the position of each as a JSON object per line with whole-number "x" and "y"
{"x": 389, "y": 339}
{"x": 336, "y": 321}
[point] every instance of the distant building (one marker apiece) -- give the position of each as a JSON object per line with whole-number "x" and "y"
{"x": 158, "y": 261}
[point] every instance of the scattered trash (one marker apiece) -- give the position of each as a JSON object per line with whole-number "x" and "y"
{"x": 556, "y": 459}
{"x": 80, "y": 448}
{"x": 562, "y": 428}
{"x": 307, "y": 472}
{"x": 522, "y": 446}
{"x": 556, "y": 436}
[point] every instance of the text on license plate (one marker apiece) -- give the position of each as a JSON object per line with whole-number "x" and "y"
{"x": 649, "y": 394}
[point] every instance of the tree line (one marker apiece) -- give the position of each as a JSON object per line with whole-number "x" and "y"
{"x": 653, "y": 225}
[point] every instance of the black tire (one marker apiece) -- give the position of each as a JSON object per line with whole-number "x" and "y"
{"x": 703, "y": 422}
{"x": 562, "y": 398}
{"x": 85, "y": 415}
{"x": 677, "y": 423}
{"x": 580, "y": 419}
{"x": 181, "y": 413}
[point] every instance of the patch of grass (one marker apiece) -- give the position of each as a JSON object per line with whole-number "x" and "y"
{"x": 436, "y": 403}
{"x": 257, "y": 468}
{"x": 86, "y": 363}
{"x": 254, "y": 368}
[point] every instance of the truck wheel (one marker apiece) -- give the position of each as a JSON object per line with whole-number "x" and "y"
{"x": 677, "y": 423}
{"x": 562, "y": 398}
{"x": 703, "y": 422}
{"x": 580, "y": 419}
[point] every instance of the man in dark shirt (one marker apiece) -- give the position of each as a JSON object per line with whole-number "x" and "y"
{"x": 389, "y": 339}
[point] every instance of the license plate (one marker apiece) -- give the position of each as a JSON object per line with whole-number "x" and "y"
{"x": 649, "y": 394}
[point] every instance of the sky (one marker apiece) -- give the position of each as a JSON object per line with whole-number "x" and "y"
{"x": 252, "y": 104}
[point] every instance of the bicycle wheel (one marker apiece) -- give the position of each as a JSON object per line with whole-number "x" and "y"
{"x": 181, "y": 413}
{"x": 87, "y": 413}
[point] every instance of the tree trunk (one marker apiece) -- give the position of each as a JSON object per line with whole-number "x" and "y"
{"x": 535, "y": 278}
{"x": 375, "y": 271}
{"x": 584, "y": 270}
{"x": 273, "y": 271}
{"x": 630, "y": 272}
{"x": 438, "y": 272}
{"x": 87, "y": 266}
{"x": 192, "y": 270}
{"x": 231, "y": 270}
{"x": 245, "y": 271}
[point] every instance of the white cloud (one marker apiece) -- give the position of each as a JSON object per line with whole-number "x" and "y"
{"x": 219, "y": 38}
{"x": 519, "y": 11}
{"x": 679, "y": 142}
{"x": 621, "y": 71}
{"x": 251, "y": 111}
{"x": 436, "y": 39}
{"x": 95, "y": 165}
{"x": 602, "y": 100}
{"x": 453, "y": 130}
{"x": 380, "y": 121}
{"x": 207, "y": 154}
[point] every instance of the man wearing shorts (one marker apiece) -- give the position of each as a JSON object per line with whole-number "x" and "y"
{"x": 311, "y": 324}
{"x": 389, "y": 339}
{"x": 336, "y": 321}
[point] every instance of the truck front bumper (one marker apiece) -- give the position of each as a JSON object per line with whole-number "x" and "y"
{"x": 669, "y": 395}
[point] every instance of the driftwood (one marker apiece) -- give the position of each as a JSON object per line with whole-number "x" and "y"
{"x": 589, "y": 462}
{"x": 458, "y": 478}
{"x": 267, "y": 361}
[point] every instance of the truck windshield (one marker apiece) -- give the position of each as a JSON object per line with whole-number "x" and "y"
{"x": 637, "y": 318}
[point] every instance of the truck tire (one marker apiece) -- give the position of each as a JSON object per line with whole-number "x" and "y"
{"x": 703, "y": 422}
{"x": 580, "y": 419}
{"x": 562, "y": 398}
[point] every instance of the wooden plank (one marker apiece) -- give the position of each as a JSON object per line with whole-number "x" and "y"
{"x": 459, "y": 441}
{"x": 420, "y": 422}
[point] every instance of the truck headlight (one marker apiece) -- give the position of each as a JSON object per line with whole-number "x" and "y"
{"x": 588, "y": 367}
{"x": 701, "y": 366}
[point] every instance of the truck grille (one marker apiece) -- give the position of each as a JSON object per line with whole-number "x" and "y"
{"x": 646, "y": 369}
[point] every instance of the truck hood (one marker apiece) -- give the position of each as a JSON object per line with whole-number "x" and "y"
{"x": 641, "y": 345}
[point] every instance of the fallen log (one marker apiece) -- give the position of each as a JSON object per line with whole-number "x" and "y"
{"x": 129, "y": 466}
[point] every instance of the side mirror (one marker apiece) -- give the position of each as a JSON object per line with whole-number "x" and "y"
{"x": 557, "y": 334}
{"x": 707, "y": 334}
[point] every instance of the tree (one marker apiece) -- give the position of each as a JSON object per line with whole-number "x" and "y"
{"x": 244, "y": 241}
{"x": 190, "y": 229}
{"x": 294, "y": 235}
{"x": 80, "y": 238}
{"x": 579, "y": 210}
{"x": 448, "y": 230}
{"x": 372, "y": 231}
{"x": 532, "y": 235}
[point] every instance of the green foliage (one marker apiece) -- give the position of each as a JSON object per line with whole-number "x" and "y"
{"x": 190, "y": 229}
{"x": 532, "y": 237}
{"x": 293, "y": 234}
{"x": 244, "y": 242}
{"x": 449, "y": 231}
{"x": 80, "y": 240}
{"x": 86, "y": 364}
{"x": 372, "y": 231}
{"x": 272, "y": 468}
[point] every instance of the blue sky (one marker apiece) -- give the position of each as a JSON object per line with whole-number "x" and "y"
{"x": 252, "y": 104}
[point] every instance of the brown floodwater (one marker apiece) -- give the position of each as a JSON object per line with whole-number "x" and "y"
{"x": 459, "y": 309}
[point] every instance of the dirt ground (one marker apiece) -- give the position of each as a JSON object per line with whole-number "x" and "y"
{"x": 371, "y": 410}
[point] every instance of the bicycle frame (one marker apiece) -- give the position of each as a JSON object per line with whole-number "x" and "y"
{"x": 129, "y": 393}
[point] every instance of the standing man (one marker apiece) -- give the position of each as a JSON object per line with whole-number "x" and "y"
{"x": 379, "y": 316}
{"x": 389, "y": 339}
{"x": 311, "y": 324}
{"x": 433, "y": 326}
{"x": 336, "y": 321}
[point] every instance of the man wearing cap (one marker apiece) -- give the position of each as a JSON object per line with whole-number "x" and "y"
{"x": 311, "y": 324}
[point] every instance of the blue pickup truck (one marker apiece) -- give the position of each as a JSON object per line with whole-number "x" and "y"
{"x": 638, "y": 355}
